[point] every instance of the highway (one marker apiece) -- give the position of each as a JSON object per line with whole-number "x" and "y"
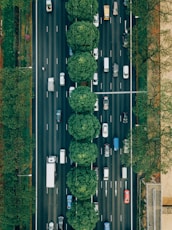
{"x": 53, "y": 54}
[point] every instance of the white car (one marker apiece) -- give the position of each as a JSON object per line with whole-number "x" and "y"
{"x": 105, "y": 103}
{"x": 105, "y": 130}
{"x": 62, "y": 79}
{"x": 95, "y": 79}
{"x": 96, "y": 106}
{"x": 51, "y": 226}
{"x": 96, "y": 53}
{"x": 96, "y": 20}
{"x": 125, "y": 71}
{"x": 70, "y": 90}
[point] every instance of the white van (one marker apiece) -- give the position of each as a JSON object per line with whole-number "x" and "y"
{"x": 106, "y": 173}
{"x": 62, "y": 156}
{"x": 106, "y": 64}
{"x": 51, "y": 84}
{"x": 124, "y": 172}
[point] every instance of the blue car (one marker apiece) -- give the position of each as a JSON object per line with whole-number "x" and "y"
{"x": 106, "y": 226}
{"x": 69, "y": 201}
{"x": 116, "y": 143}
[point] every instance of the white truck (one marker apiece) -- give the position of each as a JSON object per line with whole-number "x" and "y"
{"x": 51, "y": 84}
{"x": 49, "y": 6}
{"x": 50, "y": 171}
{"x": 106, "y": 64}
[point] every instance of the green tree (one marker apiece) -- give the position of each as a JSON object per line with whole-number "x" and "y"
{"x": 83, "y": 126}
{"x": 82, "y": 182}
{"x": 82, "y": 36}
{"x": 84, "y": 153}
{"x": 82, "y": 100}
{"x": 81, "y": 10}
{"x": 82, "y": 216}
{"x": 81, "y": 67}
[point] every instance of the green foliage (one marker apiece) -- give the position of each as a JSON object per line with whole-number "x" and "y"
{"x": 83, "y": 126}
{"x": 84, "y": 153}
{"x": 19, "y": 3}
{"x": 82, "y": 182}
{"x": 81, "y": 67}
{"x": 8, "y": 41}
{"x": 83, "y": 36}
{"x": 17, "y": 147}
{"x": 82, "y": 100}
{"x": 82, "y": 216}
{"x": 81, "y": 10}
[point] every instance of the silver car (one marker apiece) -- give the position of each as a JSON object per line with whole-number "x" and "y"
{"x": 105, "y": 103}
{"x": 115, "y": 69}
{"x": 126, "y": 146}
{"x": 107, "y": 150}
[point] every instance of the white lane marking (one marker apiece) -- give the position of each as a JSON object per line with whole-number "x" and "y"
{"x": 47, "y": 29}
{"x": 66, "y": 28}
{"x": 110, "y": 184}
{"x": 66, "y": 60}
{"x": 101, "y": 53}
{"x": 57, "y": 28}
{"x": 56, "y": 94}
{"x": 101, "y": 118}
{"x": 110, "y": 85}
{"x": 120, "y": 151}
{"x": 47, "y": 94}
{"x": 120, "y": 85}
{"x": 120, "y": 118}
{"x": 120, "y": 19}
{"x": 120, "y": 217}
{"x": 110, "y": 118}
{"x": 66, "y": 93}
{"x": 101, "y": 218}
{"x": 66, "y": 191}
{"x": 57, "y": 61}
{"x": 110, "y": 20}
{"x": 101, "y": 85}
{"x": 66, "y": 127}
{"x": 101, "y": 184}
{"x": 101, "y": 20}
{"x": 57, "y": 127}
{"x": 46, "y": 126}
{"x": 120, "y": 184}
{"x": 120, "y": 53}
{"x": 47, "y": 61}
{"x": 110, "y": 53}
{"x": 57, "y": 190}
{"x": 111, "y": 217}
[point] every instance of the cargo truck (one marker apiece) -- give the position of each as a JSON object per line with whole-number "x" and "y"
{"x": 106, "y": 12}
{"x": 48, "y": 5}
{"x": 50, "y": 171}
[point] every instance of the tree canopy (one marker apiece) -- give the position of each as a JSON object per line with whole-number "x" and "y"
{"x": 82, "y": 216}
{"x": 81, "y": 67}
{"x": 82, "y": 100}
{"x": 82, "y": 182}
{"x": 83, "y": 126}
{"x": 84, "y": 153}
{"x": 83, "y": 36}
{"x": 81, "y": 10}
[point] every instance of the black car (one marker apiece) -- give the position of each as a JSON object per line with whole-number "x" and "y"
{"x": 124, "y": 118}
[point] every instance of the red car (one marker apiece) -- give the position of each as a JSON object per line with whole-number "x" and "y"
{"x": 126, "y": 196}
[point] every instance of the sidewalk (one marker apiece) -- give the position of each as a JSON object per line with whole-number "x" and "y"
{"x": 166, "y": 180}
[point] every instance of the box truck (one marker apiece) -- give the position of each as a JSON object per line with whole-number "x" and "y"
{"x": 50, "y": 171}
{"x": 106, "y": 12}
{"x": 106, "y": 64}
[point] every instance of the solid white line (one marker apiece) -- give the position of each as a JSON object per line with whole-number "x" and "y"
{"x": 36, "y": 116}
